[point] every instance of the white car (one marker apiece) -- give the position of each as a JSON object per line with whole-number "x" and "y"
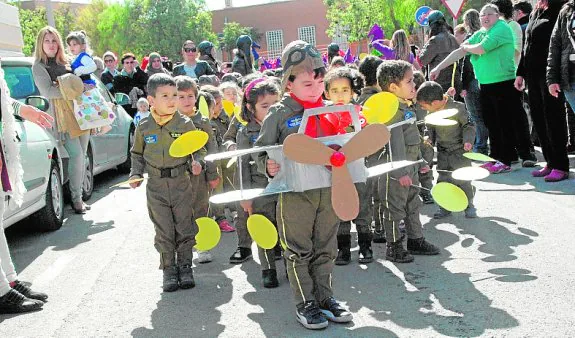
{"x": 45, "y": 160}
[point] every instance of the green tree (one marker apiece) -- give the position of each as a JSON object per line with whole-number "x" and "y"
{"x": 65, "y": 18}
{"x": 231, "y": 32}
{"x": 31, "y": 22}
{"x": 87, "y": 20}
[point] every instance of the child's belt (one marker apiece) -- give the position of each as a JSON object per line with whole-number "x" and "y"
{"x": 167, "y": 172}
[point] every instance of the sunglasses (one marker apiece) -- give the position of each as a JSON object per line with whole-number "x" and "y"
{"x": 297, "y": 56}
{"x": 109, "y": 61}
{"x": 190, "y": 50}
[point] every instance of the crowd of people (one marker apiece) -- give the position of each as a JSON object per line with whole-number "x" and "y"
{"x": 498, "y": 62}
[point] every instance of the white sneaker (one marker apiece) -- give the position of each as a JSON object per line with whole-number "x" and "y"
{"x": 204, "y": 257}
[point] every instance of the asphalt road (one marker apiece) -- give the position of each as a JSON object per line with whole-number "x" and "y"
{"x": 508, "y": 273}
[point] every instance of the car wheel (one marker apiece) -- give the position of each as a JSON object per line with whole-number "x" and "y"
{"x": 125, "y": 167}
{"x": 51, "y": 216}
{"x": 88, "y": 184}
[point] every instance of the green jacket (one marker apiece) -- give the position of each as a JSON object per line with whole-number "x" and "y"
{"x": 220, "y": 126}
{"x": 152, "y": 144}
{"x": 202, "y": 68}
{"x": 497, "y": 64}
{"x": 451, "y": 138}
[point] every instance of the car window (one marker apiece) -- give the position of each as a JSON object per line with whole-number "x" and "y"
{"x": 20, "y": 81}
{"x": 103, "y": 90}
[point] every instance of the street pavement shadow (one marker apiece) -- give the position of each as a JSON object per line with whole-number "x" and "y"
{"x": 193, "y": 312}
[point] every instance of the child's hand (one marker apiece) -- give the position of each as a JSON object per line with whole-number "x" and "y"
{"x": 272, "y": 167}
{"x": 467, "y": 146}
{"x": 451, "y": 91}
{"x": 405, "y": 181}
{"x": 134, "y": 185}
{"x": 196, "y": 168}
{"x": 247, "y": 206}
{"x": 434, "y": 74}
{"x": 213, "y": 184}
{"x": 425, "y": 169}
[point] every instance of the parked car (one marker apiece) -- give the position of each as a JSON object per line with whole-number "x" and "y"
{"x": 108, "y": 151}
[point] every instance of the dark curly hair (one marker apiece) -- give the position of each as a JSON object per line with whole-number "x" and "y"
{"x": 392, "y": 71}
{"x": 368, "y": 68}
{"x": 356, "y": 80}
{"x": 505, "y": 8}
{"x": 261, "y": 89}
{"x": 429, "y": 91}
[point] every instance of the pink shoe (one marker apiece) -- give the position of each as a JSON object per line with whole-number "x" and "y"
{"x": 225, "y": 226}
{"x": 487, "y": 165}
{"x": 499, "y": 168}
{"x": 556, "y": 176}
{"x": 541, "y": 172}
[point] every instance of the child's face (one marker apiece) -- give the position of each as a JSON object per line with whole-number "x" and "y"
{"x": 263, "y": 105}
{"x": 231, "y": 94}
{"x": 142, "y": 108}
{"x": 166, "y": 100}
{"x": 75, "y": 47}
{"x": 186, "y": 102}
{"x": 405, "y": 89}
{"x": 306, "y": 88}
{"x": 432, "y": 106}
{"x": 339, "y": 91}
{"x": 218, "y": 107}
{"x": 213, "y": 112}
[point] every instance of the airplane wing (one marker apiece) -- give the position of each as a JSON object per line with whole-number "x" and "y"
{"x": 389, "y": 167}
{"x": 241, "y": 152}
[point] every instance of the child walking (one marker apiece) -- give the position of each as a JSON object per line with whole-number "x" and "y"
{"x": 451, "y": 141}
{"x": 168, "y": 189}
{"x": 398, "y": 190}
{"x": 306, "y": 220}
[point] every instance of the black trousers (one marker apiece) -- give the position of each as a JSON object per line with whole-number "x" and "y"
{"x": 502, "y": 114}
{"x": 548, "y": 115}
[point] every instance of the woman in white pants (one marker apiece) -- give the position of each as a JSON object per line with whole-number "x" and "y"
{"x": 15, "y": 296}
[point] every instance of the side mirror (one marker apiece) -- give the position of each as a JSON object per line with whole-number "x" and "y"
{"x": 39, "y": 102}
{"x": 122, "y": 99}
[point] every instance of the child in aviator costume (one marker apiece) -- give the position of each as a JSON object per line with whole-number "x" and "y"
{"x": 306, "y": 220}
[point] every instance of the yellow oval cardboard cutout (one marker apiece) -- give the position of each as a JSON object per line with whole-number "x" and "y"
{"x": 228, "y": 107}
{"x": 450, "y": 197}
{"x": 204, "y": 108}
{"x": 478, "y": 157}
{"x": 380, "y": 108}
{"x": 209, "y": 234}
{"x": 262, "y": 231}
{"x": 188, "y": 143}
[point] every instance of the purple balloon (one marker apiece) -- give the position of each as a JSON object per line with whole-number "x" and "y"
{"x": 376, "y": 33}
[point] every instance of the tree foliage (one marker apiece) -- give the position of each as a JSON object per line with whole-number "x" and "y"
{"x": 354, "y": 18}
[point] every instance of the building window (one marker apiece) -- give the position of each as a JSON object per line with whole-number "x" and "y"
{"x": 275, "y": 42}
{"x": 307, "y": 34}
{"x": 340, "y": 38}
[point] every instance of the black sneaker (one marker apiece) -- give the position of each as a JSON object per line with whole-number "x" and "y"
{"x": 343, "y": 257}
{"x": 529, "y": 162}
{"x": 470, "y": 212}
{"x": 186, "y": 277}
{"x": 426, "y": 198}
{"x": 441, "y": 213}
{"x": 241, "y": 255}
{"x": 379, "y": 237}
{"x": 334, "y": 312}
{"x": 421, "y": 247}
{"x": 270, "y": 278}
{"x": 310, "y": 316}
{"x": 25, "y": 290}
{"x": 15, "y": 302}
{"x": 170, "y": 279}
{"x": 365, "y": 253}
{"x": 278, "y": 252}
{"x": 396, "y": 253}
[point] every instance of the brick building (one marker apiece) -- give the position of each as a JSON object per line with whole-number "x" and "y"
{"x": 280, "y": 22}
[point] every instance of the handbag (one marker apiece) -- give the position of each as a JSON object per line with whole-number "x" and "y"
{"x": 92, "y": 111}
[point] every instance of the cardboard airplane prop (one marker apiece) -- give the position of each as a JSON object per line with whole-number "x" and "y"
{"x": 310, "y": 163}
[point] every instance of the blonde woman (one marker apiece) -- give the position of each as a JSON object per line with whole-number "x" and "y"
{"x": 50, "y": 63}
{"x": 402, "y": 48}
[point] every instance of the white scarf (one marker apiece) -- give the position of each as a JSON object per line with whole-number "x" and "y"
{"x": 10, "y": 148}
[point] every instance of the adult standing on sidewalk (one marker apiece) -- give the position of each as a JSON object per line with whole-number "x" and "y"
{"x": 49, "y": 64}
{"x": 493, "y": 50}
{"x": 547, "y": 111}
{"x": 15, "y": 296}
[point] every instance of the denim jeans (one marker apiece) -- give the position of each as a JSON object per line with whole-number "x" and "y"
{"x": 76, "y": 148}
{"x": 473, "y": 104}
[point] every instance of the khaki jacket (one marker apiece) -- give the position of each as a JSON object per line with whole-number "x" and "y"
{"x": 452, "y": 138}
